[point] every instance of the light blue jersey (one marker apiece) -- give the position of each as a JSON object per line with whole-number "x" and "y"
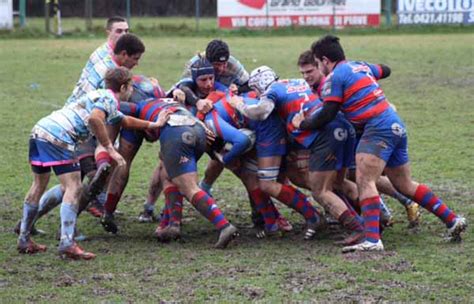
{"x": 70, "y": 125}
{"x": 92, "y": 77}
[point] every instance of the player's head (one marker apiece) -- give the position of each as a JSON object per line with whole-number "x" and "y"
{"x": 116, "y": 26}
{"x": 119, "y": 80}
{"x": 261, "y": 78}
{"x": 202, "y": 72}
{"x": 145, "y": 88}
{"x": 217, "y": 52}
{"x": 309, "y": 68}
{"x": 327, "y": 52}
{"x": 128, "y": 50}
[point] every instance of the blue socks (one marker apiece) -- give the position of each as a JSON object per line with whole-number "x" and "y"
{"x": 29, "y": 214}
{"x": 68, "y": 223}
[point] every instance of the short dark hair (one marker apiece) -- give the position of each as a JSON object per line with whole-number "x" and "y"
{"x": 306, "y": 58}
{"x": 130, "y": 44}
{"x": 113, "y": 20}
{"x": 116, "y": 77}
{"x": 329, "y": 47}
{"x": 217, "y": 51}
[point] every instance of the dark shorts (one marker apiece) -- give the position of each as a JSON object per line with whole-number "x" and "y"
{"x": 333, "y": 148}
{"x": 87, "y": 148}
{"x": 181, "y": 147}
{"x": 271, "y": 137}
{"x": 44, "y": 155}
{"x": 385, "y": 137}
{"x": 132, "y": 136}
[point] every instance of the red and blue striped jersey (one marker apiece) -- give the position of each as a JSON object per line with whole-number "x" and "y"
{"x": 354, "y": 85}
{"x": 290, "y": 97}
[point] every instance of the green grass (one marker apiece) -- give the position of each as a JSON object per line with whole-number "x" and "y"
{"x": 432, "y": 86}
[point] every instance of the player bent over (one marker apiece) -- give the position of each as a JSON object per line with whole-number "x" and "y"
{"x": 182, "y": 143}
{"x": 52, "y": 145}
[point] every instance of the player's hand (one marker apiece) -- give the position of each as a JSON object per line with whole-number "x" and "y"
{"x": 179, "y": 95}
{"x": 235, "y": 101}
{"x": 210, "y": 136}
{"x": 297, "y": 120}
{"x": 117, "y": 157}
{"x": 162, "y": 119}
{"x": 204, "y": 105}
{"x": 233, "y": 88}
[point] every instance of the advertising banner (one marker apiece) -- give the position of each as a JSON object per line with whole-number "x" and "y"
{"x": 435, "y": 11}
{"x": 283, "y": 13}
{"x": 6, "y": 14}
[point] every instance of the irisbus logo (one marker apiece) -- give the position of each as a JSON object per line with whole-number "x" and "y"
{"x": 257, "y": 4}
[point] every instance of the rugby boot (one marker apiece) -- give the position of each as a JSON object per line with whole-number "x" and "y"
{"x": 352, "y": 239}
{"x": 146, "y": 216}
{"x": 108, "y": 223}
{"x": 284, "y": 224}
{"x": 275, "y": 231}
{"x": 459, "y": 226}
{"x": 76, "y": 253}
{"x": 168, "y": 233}
{"x": 30, "y": 247}
{"x": 364, "y": 246}
{"x": 226, "y": 235}
{"x": 413, "y": 215}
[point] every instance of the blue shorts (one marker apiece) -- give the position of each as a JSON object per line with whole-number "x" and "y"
{"x": 86, "y": 149}
{"x": 43, "y": 155}
{"x": 134, "y": 137}
{"x": 181, "y": 147}
{"x": 385, "y": 137}
{"x": 271, "y": 137}
{"x": 333, "y": 148}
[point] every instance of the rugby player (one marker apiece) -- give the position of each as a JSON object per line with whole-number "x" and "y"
{"x": 352, "y": 87}
{"x": 53, "y": 143}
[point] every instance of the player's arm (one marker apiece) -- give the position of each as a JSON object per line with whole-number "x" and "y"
{"x": 259, "y": 111}
{"x": 129, "y": 122}
{"x": 191, "y": 97}
{"x": 97, "y": 126}
{"x": 240, "y": 141}
{"x": 323, "y": 117}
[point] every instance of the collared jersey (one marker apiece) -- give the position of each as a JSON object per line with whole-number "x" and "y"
{"x": 70, "y": 125}
{"x": 354, "y": 85}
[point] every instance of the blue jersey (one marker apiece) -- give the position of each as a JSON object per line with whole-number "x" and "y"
{"x": 234, "y": 72}
{"x": 354, "y": 85}
{"x": 70, "y": 125}
{"x": 99, "y": 54}
{"x": 225, "y": 121}
{"x": 290, "y": 97}
{"x": 150, "y": 109}
{"x": 92, "y": 78}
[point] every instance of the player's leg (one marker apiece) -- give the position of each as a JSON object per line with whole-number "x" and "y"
{"x": 155, "y": 188}
{"x": 70, "y": 179}
{"x": 213, "y": 170}
{"x": 117, "y": 184}
{"x": 30, "y": 210}
{"x": 181, "y": 147}
{"x": 292, "y": 197}
{"x": 425, "y": 197}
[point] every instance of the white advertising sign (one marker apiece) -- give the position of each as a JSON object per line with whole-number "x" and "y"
{"x": 6, "y": 14}
{"x": 435, "y": 11}
{"x": 281, "y": 13}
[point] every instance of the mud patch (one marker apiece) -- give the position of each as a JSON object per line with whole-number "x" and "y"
{"x": 65, "y": 281}
{"x": 361, "y": 256}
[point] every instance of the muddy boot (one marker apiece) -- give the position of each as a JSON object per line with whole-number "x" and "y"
{"x": 30, "y": 247}
{"x": 76, "y": 253}
{"x": 225, "y": 236}
{"x": 108, "y": 222}
{"x": 169, "y": 233}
